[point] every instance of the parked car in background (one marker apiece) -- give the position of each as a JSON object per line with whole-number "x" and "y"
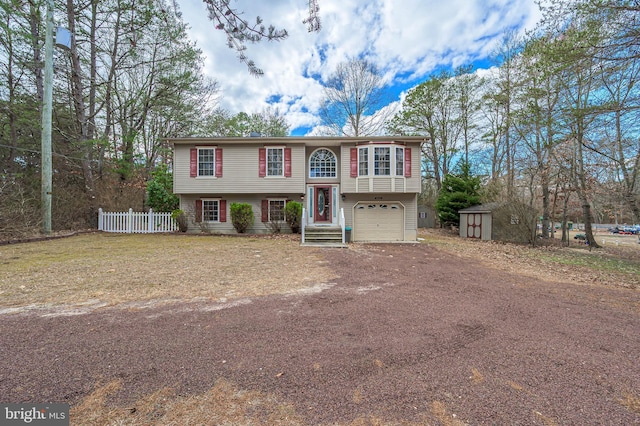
{"x": 625, "y": 230}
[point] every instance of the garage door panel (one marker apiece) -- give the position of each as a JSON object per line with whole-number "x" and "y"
{"x": 379, "y": 222}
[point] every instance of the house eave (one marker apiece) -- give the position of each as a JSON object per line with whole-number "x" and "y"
{"x": 480, "y": 208}
{"x": 292, "y": 140}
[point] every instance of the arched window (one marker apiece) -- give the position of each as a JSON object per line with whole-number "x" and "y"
{"x": 322, "y": 164}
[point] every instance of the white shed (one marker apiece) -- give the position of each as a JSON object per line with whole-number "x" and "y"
{"x": 510, "y": 222}
{"x": 476, "y": 221}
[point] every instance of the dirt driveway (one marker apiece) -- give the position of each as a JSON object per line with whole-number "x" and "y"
{"x": 402, "y": 334}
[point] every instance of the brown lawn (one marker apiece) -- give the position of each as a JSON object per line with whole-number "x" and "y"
{"x": 93, "y": 273}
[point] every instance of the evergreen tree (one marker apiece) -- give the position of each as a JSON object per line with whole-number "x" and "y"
{"x": 160, "y": 196}
{"x": 459, "y": 191}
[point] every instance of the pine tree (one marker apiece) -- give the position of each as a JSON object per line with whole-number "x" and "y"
{"x": 459, "y": 191}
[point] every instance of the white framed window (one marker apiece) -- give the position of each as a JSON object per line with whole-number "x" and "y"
{"x": 322, "y": 163}
{"x": 399, "y": 161}
{"x": 382, "y": 161}
{"x": 276, "y": 210}
{"x": 275, "y": 161}
{"x": 210, "y": 210}
{"x": 206, "y": 161}
{"x": 363, "y": 161}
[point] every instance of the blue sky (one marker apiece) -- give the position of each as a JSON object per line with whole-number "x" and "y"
{"x": 407, "y": 39}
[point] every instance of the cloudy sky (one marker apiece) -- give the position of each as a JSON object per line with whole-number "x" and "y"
{"x": 407, "y": 39}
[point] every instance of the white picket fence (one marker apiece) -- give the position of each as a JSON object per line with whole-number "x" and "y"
{"x": 136, "y": 222}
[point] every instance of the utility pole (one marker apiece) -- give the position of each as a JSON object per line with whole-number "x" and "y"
{"x": 47, "y": 108}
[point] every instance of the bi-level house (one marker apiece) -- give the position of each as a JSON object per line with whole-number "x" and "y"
{"x": 367, "y": 184}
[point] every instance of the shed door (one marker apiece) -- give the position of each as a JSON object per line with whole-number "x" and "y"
{"x": 474, "y": 225}
{"x": 379, "y": 222}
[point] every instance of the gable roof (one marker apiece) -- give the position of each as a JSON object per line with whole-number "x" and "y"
{"x": 481, "y": 208}
{"x": 494, "y": 206}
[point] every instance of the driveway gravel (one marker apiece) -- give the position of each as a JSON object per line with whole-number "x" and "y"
{"x": 402, "y": 334}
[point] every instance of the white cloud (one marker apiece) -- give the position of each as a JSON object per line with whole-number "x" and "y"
{"x": 407, "y": 38}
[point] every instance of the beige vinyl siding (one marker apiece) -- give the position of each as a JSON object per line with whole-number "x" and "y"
{"x": 414, "y": 183}
{"x": 348, "y": 184}
{"x": 239, "y": 172}
{"x": 362, "y": 185}
{"x": 375, "y": 184}
{"x": 382, "y": 184}
{"x": 187, "y": 204}
{"x": 411, "y": 218}
{"x": 399, "y": 184}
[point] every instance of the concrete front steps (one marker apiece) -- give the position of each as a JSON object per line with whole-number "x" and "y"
{"x": 323, "y": 236}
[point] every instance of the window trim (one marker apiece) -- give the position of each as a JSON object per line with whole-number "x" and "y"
{"x": 263, "y": 158}
{"x": 213, "y": 162}
{"x": 335, "y": 164}
{"x": 380, "y": 163}
{"x": 395, "y": 165}
{"x": 194, "y": 160}
{"x": 399, "y": 163}
{"x": 208, "y": 200}
{"x": 281, "y": 149}
{"x": 269, "y": 201}
{"x": 365, "y": 161}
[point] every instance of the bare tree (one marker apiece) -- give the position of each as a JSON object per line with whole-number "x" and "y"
{"x": 466, "y": 93}
{"x": 622, "y": 40}
{"x": 506, "y": 84}
{"x": 82, "y": 117}
{"x": 494, "y": 119}
{"x": 130, "y": 78}
{"x": 536, "y": 122}
{"x": 354, "y": 98}
{"x": 239, "y": 31}
{"x": 620, "y": 145}
{"x": 429, "y": 109}
{"x": 579, "y": 102}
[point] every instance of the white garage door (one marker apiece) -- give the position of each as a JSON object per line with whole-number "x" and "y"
{"x": 379, "y": 222}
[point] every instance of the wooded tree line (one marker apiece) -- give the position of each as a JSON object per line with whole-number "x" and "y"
{"x": 556, "y": 125}
{"x": 131, "y": 78}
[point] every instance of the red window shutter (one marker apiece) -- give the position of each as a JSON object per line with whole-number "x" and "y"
{"x": 223, "y": 210}
{"x": 354, "y": 162}
{"x": 265, "y": 210}
{"x": 218, "y": 162}
{"x": 193, "y": 162}
{"x": 407, "y": 162}
{"x": 262, "y": 162}
{"x": 287, "y": 162}
{"x": 198, "y": 210}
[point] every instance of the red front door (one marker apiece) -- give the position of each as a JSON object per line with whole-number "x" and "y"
{"x": 323, "y": 204}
